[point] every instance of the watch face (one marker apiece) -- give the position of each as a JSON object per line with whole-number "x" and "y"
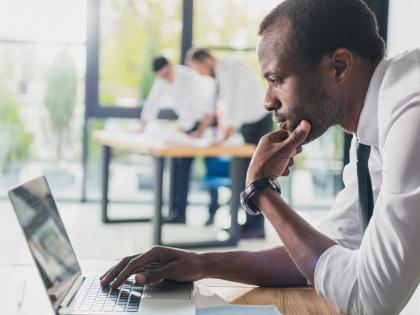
{"x": 247, "y": 205}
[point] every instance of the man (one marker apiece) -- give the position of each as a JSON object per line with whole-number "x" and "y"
{"x": 324, "y": 64}
{"x": 238, "y": 106}
{"x": 190, "y": 96}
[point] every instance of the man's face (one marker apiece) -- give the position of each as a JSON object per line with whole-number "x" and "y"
{"x": 166, "y": 73}
{"x": 295, "y": 92}
{"x": 204, "y": 67}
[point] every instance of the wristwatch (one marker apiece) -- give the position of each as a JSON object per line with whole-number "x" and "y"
{"x": 246, "y": 196}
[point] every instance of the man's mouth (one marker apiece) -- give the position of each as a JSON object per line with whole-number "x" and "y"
{"x": 281, "y": 122}
{"x": 278, "y": 120}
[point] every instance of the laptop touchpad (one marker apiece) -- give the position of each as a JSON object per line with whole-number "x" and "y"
{"x": 169, "y": 291}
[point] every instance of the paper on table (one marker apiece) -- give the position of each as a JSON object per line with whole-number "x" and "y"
{"x": 239, "y": 310}
{"x": 169, "y": 136}
{"x": 209, "y": 303}
{"x": 205, "y": 298}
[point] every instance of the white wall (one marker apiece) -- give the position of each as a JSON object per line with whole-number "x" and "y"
{"x": 404, "y": 26}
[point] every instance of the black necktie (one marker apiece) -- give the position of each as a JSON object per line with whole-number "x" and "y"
{"x": 364, "y": 184}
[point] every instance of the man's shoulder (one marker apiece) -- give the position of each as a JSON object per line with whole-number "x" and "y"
{"x": 184, "y": 71}
{"x": 402, "y": 75}
{"x": 400, "y": 86}
{"x": 186, "y": 77}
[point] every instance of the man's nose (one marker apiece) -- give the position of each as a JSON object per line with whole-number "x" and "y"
{"x": 271, "y": 102}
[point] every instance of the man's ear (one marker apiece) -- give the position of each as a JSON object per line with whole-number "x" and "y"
{"x": 341, "y": 64}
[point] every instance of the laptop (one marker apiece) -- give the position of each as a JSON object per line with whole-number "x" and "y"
{"x": 72, "y": 292}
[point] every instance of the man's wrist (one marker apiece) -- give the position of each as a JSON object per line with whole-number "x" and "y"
{"x": 262, "y": 196}
{"x": 208, "y": 265}
{"x": 252, "y": 177}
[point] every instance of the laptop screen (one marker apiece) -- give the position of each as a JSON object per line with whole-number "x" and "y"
{"x": 47, "y": 239}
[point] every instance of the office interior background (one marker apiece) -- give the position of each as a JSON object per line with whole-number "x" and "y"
{"x": 70, "y": 67}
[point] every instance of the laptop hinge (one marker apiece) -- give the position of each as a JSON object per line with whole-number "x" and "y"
{"x": 72, "y": 291}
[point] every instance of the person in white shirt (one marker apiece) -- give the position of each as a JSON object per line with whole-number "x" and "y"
{"x": 324, "y": 63}
{"x": 190, "y": 96}
{"x": 238, "y": 100}
{"x": 181, "y": 89}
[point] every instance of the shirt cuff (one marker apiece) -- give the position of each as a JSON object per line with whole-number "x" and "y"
{"x": 335, "y": 276}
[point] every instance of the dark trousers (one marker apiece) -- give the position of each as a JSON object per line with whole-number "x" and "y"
{"x": 252, "y": 133}
{"x": 180, "y": 181}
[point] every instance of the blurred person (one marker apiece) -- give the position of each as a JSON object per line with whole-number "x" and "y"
{"x": 238, "y": 99}
{"x": 324, "y": 63}
{"x": 187, "y": 94}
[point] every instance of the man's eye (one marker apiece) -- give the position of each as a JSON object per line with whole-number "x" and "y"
{"x": 276, "y": 80}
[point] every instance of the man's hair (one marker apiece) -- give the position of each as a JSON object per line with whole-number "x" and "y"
{"x": 159, "y": 62}
{"x": 197, "y": 54}
{"x": 319, "y": 27}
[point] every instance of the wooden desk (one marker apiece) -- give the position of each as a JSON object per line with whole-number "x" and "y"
{"x": 296, "y": 301}
{"x": 289, "y": 301}
{"x": 139, "y": 144}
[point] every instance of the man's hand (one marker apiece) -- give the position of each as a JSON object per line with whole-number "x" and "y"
{"x": 227, "y": 133}
{"x": 157, "y": 264}
{"x": 275, "y": 152}
{"x": 142, "y": 126}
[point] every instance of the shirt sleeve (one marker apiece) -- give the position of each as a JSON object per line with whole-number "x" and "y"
{"x": 150, "y": 108}
{"x": 227, "y": 102}
{"x": 206, "y": 94}
{"x": 380, "y": 276}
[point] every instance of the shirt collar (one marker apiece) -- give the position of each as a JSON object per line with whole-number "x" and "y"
{"x": 367, "y": 128}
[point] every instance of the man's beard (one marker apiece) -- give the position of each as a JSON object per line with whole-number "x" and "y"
{"x": 327, "y": 112}
{"x": 318, "y": 108}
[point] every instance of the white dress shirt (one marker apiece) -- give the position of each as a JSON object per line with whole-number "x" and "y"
{"x": 376, "y": 273}
{"x": 240, "y": 96}
{"x": 190, "y": 95}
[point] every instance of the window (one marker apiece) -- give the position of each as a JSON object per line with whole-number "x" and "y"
{"x": 42, "y": 66}
{"x": 403, "y": 20}
{"x": 132, "y": 33}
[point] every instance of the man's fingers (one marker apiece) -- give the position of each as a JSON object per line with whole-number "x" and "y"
{"x": 286, "y": 172}
{"x": 299, "y": 135}
{"x": 156, "y": 275}
{"x": 105, "y": 273}
{"x": 150, "y": 276}
{"x": 136, "y": 263}
{"x": 277, "y": 136}
{"x": 107, "y": 277}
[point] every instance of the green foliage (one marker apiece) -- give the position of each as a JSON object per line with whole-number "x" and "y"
{"x": 14, "y": 138}
{"x": 60, "y": 96}
{"x": 132, "y": 34}
{"x": 146, "y": 72}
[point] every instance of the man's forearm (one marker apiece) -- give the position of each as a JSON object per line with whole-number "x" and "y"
{"x": 264, "y": 268}
{"x": 303, "y": 242}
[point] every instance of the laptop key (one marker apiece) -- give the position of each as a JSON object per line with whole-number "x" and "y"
{"x": 108, "y": 308}
{"x": 119, "y": 308}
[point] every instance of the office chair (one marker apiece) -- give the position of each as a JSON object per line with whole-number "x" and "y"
{"x": 217, "y": 175}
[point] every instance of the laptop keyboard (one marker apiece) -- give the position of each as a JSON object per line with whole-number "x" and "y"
{"x": 95, "y": 298}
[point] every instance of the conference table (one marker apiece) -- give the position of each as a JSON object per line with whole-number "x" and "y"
{"x": 22, "y": 293}
{"x": 159, "y": 151}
